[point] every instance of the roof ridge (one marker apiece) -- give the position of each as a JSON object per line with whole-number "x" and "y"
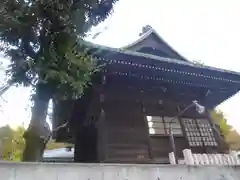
{"x": 148, "y": 33}
{"x": 141, "y": 38}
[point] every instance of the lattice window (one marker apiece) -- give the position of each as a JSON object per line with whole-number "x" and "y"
{"x": 160, "y": 125}
{"x": 206, "y": 132}
{"x": 176, "y": 127}
{"x": 192, "y": 132}
{"x": 156, "y": 125}
{"x": 199, "y": 132}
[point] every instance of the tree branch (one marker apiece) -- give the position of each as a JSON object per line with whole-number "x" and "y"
{"x": 28, "y": 48}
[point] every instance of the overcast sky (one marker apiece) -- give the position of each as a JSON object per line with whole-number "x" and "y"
{"x": 198, "y": 29}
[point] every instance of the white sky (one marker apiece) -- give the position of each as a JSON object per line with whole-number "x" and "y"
{"x": 198, "y": 29}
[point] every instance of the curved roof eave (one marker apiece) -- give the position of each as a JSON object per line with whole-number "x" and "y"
{"x": 154, "y": 57}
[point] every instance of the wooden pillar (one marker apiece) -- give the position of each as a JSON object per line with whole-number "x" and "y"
{"x": 182, "y": 126}
{"x": 102, "y": 144}
{"x": 101, "y": 124}
{"x": 146, "y": 126}
{"x": 85, "y": 134}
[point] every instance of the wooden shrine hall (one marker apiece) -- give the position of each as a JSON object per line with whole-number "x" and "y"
{"x": 125, "y": 115}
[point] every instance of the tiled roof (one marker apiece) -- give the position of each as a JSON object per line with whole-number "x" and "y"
{"x": 100, "y": 50}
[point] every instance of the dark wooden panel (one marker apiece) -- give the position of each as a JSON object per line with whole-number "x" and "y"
{"x": 62, "y": 112}
{"x": 127, "y": 134}
{"x": 161, "y": 146}
{"x": 86, "y": 140}
{"x": 125, "y": 122}
{"x": 129, "y": 151}
{"x": 128, "y": 138}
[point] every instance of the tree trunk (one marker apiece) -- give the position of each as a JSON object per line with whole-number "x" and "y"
{"x": 38, "y": 132}
{"x": 4, "y": 89}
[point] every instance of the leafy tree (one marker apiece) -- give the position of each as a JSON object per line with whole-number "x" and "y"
{"x": 12, "y": 143}
{"x": 233, "y": 139}
{"x": 44, "y": 40}
{"x": 230, "y": 135}
{"x": 3, "y": 84}
{"x": 220, "y": 120}
{"x": 222, "y": 127}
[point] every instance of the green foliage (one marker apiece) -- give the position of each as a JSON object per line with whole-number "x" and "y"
{"x": 231, "y": 136}
{"x": 233, "y": 139}
{"x": 12, "y": 143}
{"x": 44, "y": 40}
{"x": 221, "y": 121}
